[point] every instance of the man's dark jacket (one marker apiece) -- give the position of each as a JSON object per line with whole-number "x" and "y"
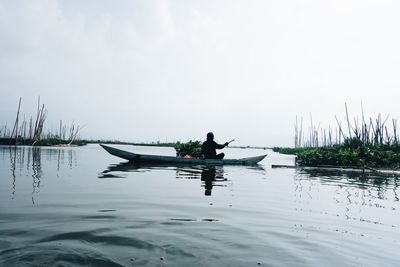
{"x": 208, "y": 149}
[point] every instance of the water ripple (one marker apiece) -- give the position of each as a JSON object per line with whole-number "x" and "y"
{"x": 55, "y": 255}
{"x": 93, "y": 237}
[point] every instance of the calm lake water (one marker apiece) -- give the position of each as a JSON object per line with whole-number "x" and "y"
{"x": 83, "y": 207}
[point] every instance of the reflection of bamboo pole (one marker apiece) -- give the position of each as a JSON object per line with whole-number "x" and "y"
{"x": 13, "y": 160}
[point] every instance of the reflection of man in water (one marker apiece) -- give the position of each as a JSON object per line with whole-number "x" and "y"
{"x": 209, "y": 147}
{"x": 208, "y": 176}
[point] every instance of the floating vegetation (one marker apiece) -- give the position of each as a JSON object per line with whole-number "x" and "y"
{"x": 354, "y": 143}
{"x": 191, "y": 148}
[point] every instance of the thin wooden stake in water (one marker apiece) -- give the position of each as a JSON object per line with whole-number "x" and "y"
{"x": 347, "y": 118}
{"x": 15, "y": 129}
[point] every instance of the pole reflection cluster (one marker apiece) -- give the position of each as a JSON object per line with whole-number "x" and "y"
{"x": 28, "y": 161}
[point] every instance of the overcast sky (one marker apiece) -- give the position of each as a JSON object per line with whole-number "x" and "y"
{"x": 174, "y": 70}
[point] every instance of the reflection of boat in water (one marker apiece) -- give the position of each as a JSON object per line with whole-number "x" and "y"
{"x": 141, "y": 158}
{"x": 210, "y": 175}
{"x": 182, "y": 170}
{"x": 126, "y": 167}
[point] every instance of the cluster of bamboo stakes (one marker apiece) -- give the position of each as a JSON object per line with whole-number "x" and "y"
{"x": 369, "y": 132}
{"x": 32, "y": 131}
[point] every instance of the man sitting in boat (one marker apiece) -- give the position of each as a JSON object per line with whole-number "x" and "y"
{"x": 209, "y": 147}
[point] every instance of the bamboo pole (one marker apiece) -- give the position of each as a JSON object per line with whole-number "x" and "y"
{"x": 37, "y": 115}
{"x": 348, "y": 121}
{"x": 296, "y": 133}
{"x": 60, "y": 129}
{"x": 341, "y": 134}
{"x": 5, "y": 130}
{"x": 312, "y": 131}
{"x": 15, "y": 129}
{"x": 40, "y": 119}
{"x": 30, "y": 128}
{"x": 301, "y": 132}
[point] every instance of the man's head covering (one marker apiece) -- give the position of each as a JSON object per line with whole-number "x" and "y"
{"x": 210, "y": 136}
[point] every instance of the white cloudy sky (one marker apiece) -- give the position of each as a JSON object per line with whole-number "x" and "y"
{"x": 174, "y": 70}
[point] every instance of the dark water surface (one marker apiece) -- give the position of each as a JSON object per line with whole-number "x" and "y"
{"x": 83, "y": 207}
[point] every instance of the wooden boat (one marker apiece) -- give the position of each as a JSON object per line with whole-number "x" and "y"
{"x": 141, "y": 158}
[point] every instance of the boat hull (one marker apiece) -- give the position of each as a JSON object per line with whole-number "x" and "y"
{"x": 140, "y": 158}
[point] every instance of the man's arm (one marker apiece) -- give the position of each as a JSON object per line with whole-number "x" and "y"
{"x": 218, "y": 146}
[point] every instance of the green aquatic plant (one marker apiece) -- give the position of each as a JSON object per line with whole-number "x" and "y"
{"x": 288, "y": 150}
{"x": 357, "y": 142}
{"x": 191, "y": 148}
{"x": 349, "y": 157}
{"x": 60, "y": 142}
